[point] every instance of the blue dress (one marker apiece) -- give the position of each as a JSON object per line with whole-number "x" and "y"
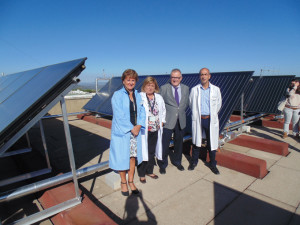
{"x": 119, "y": 155}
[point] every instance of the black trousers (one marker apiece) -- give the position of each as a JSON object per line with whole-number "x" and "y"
{"x": 202, "y": 151}
{"x": 178, "y": 141}
{"x": 146, "y": 167}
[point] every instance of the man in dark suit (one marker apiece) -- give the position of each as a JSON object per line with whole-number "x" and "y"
{"x": 176, "y": 97}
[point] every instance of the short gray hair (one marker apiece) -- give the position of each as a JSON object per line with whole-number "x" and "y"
{"x": 175, "y": 70}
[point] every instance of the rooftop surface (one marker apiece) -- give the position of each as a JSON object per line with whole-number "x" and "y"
{"x": 187, "y": 197}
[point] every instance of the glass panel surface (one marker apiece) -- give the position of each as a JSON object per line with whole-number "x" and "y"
{"x": 26, "y": 88}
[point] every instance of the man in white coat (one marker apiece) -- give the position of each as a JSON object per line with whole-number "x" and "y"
{"x": 205, "y": 104}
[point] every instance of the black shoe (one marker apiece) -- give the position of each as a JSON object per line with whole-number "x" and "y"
{"x": 124, "y": 193}
{"x": 214, "y": 169}
{"x": 135, "y": 191}
{"x": 162, "y": 170}
{"x": 143, "y": 181}
{"x": 153, "y": 176}
{"x": 192, "y": 166}
{"x": 180, "y": 167}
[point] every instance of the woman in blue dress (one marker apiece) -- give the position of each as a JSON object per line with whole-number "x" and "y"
{"x": 128, "y": 119}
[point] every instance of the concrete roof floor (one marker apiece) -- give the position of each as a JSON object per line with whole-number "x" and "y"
{"x": 178, "y": 197}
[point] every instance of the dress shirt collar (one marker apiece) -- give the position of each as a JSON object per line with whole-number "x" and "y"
{"x": 177, "y": 86}
{"x": 203, "y": 88}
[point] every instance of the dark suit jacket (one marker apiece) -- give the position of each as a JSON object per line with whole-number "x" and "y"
{"x": 173, "y": 110}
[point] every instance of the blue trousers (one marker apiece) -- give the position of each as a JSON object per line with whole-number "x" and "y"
{"x": 202, "y": 151}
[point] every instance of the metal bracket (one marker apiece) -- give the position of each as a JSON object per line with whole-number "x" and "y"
{"x": 19, "y": 151}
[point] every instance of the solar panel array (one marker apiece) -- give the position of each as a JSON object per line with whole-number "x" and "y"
{"x": 231, "y": 84}
{"x": 263, "y": 93}
{"x": 24, "y": 94}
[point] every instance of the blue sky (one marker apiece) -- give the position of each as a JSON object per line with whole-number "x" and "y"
{"x": 151, "y": 37}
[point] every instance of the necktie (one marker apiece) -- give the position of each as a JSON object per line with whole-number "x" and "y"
{"x": 176, "y": 95}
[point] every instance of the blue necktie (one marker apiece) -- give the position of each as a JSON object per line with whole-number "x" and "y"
{"x": 176, "y": 95}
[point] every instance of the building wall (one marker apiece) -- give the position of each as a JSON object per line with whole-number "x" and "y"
{"x": 73, "y": 104}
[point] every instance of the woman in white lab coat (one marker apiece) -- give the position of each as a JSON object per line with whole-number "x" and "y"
{"x": 152, "y": 134}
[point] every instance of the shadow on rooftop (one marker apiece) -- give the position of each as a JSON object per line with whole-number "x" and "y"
{"x": 88, "y": 150}
{"x": 248, "y": 210}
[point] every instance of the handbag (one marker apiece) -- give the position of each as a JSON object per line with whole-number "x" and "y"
{"x": 281, "y": 104}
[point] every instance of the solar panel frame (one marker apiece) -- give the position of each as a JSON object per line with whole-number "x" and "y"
{"x": 263, "y": 94}
{"x": 26, "y": 99}
{"x": 231, "y": 85}
{"x": 95, "y": 104}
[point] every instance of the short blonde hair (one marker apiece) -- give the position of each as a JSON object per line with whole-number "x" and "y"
{"x": 130, "y": 73}
{"x": 149, "y": 80}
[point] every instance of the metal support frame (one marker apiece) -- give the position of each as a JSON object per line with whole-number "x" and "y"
{"x": 19, "y": 151}
{"x": 69, "y": 145}
{"x": 51, "y": 182}
{"x": 104, "y": 78}
{"x": 60, "y": 115}
{"x": 237, "y": 125}
{"x": 21, "y": 133}
{"x": 71, "y": 202}
{"x": 228, "y": 136}
{"x": 16, "y": 152}
{"x": 32, "y": 174}
{"x": 63, "y": 206}
{"x": 48, "y": 212}
{"x": 44, "y": 143}
{"x": 24, "y": 176}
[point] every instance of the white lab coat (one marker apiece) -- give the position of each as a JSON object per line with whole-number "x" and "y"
{"x": 144, "y": 132}
{"x": 215, "y": 106}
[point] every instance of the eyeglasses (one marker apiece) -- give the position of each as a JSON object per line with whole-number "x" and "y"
{"x": 176, "y": 78}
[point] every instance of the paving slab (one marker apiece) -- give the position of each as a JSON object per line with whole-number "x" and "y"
{"x": 146, "y": 218}
{"x": 97, "y": 159}
{"x": 282, "y": 184}
{"x": 297, "y": 147}
{"x": 253, "y": 208}
{"x": 291, "y": 140}
{"x": 167, "y": 185}
{"x": 266, "y": 132}
{"x": 126, "y": 208}
{"x": 292, "y": 161}
{"x": 231, "y": 178}
{"x": 197, "y": 204}
{"x": 97, "y": 187}
{"x": 105, "y": 132}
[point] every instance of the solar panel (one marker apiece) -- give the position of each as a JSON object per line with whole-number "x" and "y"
{"x": 95, "y": 104}
{"x": 231, "y": 84}
{"x": 263, "y": 93}
{"x": 101, "y": 103}
{"x": 23, "y": 95}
